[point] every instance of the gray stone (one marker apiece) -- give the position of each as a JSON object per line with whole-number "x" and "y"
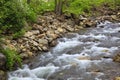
{"x": 28, "y": 34}
{"x": 53, "y": 43}
{"x": 45, "y": 48}
{"x": 35, "y": 43}
{"x": 43, "y": 41}
{"x": 51, "y": 34}
{"x": 68, "y": 28}
{"x": 34, "y": 32}
{"x": 60, "y": 30}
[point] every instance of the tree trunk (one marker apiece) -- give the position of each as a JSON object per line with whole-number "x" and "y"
{"x": 58, "y": 7}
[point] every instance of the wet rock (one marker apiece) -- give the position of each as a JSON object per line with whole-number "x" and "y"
{"x": 68, "y": 28}
{"x": 109, "y": 18}
{"x": 45, "y": 48}
{"x": 70, "y": 22}
{"x": 21, "y": 46}
{"x": 118, "y": 13}
{"x": 51, "y": 34}
{"x": 83, "y": 58}
{"x": 34, "y": 48}
{"x": 24, "y": 39}
{"x": 30, "y": 54}
{"x": 89, "y": 23}
{"x": 34, "y": 32}
{"x": 3, "y": 75}
{"x": 53, "y": 43}
{"x": 57, "y": 32}
{"x": 114, "y": 17}
{"x": 49, "y": 39}
{"x": 60, "y": 30}
{"x": 35, "y": 43}
{"x": 38, "y": 27}
{"x": 105, "y": 50}
{"x": 20, "y": 41}
{"x": 78, "y": 27}
{"x": 2, "y": 60}
{"x": 82, "y": 18}
{"x": 24, "y": 55}
{"x": 28, "y": 34}
{"x": 43, "y": 41}
{"x": 39, "y": 48}
{"x": 41, "y": 35}
{"x": 32, "y": 37}
{"x": 116, "y": 58}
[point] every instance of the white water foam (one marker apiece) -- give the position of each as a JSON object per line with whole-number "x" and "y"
{"x": 67, "y": 44}
{"x": 34, "y": 74}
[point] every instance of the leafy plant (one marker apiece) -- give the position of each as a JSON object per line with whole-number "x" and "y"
{"x": 12, "y": 58}
{"x": 18, "y": 34}
{"x": 14, "y": 14}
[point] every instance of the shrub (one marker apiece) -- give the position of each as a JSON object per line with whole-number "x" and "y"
{"x": 12, "y": 58}
{"x": 14, "y": 14}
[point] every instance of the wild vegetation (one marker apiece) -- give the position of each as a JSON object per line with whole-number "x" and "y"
{"x": 16, "y": 16}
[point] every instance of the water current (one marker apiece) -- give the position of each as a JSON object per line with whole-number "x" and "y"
{"x": 77, "y": 56}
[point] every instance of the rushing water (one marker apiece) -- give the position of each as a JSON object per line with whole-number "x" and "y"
{"x": 78, "y": 56}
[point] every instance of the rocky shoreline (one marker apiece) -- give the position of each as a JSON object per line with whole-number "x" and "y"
{"x": 46, "y": 31}
{"x": 44, "y": 34}
{"x": 48, "y": 28}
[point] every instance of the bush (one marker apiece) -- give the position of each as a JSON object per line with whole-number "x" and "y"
{"x": 12, "y": 58}
{"x": 14, "y": 14}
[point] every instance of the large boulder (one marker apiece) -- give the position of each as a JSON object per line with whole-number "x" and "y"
{"x": 43, "y": 41}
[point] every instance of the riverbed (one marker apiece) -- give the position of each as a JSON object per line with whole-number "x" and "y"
{"x": 83, "y": 55}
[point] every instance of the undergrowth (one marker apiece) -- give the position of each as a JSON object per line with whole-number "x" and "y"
{"x": 13, "y": 59}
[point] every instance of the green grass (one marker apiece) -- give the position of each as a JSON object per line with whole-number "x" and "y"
{"x": 84, "y": 6}
{"x": 39, "y": 6}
